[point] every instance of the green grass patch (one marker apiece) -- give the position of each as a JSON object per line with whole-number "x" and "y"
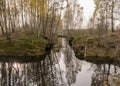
{"x": 22, "y": 45}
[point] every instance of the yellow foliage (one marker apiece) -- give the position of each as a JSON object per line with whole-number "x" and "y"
{"x": 41, "y": 5}
{"x": 97, "y": 4}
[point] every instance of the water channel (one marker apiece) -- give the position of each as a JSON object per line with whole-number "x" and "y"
{"x": 59, "y": 69}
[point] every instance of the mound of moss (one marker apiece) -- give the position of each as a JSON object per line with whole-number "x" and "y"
{"x": 104, "y": 46}
{"x": 23, "y": 45}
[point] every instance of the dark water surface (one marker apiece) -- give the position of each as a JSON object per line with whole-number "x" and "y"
{"x": 59, "y": 69}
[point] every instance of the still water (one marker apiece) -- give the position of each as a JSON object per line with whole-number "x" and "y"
{"x": 59, "y": 69}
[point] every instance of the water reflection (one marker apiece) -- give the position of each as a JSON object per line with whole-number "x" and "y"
{"x": 73, "y": 66}
{"x": 59, "y": 69}
{"x": 42, "y": 73}
{"x": 106, "y": 75}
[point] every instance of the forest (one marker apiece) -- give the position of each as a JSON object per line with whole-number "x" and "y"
{"x": 49, "y": 43}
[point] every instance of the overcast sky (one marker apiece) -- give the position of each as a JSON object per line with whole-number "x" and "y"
{"x": 89, "y": 8}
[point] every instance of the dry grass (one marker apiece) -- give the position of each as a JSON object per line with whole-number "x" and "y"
{"x": 103, "y": 46}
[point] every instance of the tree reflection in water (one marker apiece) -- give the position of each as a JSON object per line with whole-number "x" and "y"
{"x": 59, "y": 69}
{"x": 106, "y": 75}
{"x": 43, "y": 73}
{"x": 73, "y": 66}
{"x": 48, "y": 72}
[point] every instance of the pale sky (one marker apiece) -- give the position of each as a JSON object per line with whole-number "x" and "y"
{"x": 89, "y": 8}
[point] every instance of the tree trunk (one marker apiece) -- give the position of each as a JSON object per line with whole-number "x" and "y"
{"x": 112, "y": 17}
{"x": 3, "y": 33}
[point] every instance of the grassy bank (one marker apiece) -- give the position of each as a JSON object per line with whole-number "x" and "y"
{"x": 22, "y": 44}
{"x": 92, "y": 45}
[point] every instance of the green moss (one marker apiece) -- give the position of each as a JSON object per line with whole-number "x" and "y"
{"x": 102, "y": 47}
{"x": 24, "y": 45}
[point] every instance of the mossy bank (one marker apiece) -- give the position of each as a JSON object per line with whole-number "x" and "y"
{"x": 23, "y": 44}
{"x": 105, "y": 46}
